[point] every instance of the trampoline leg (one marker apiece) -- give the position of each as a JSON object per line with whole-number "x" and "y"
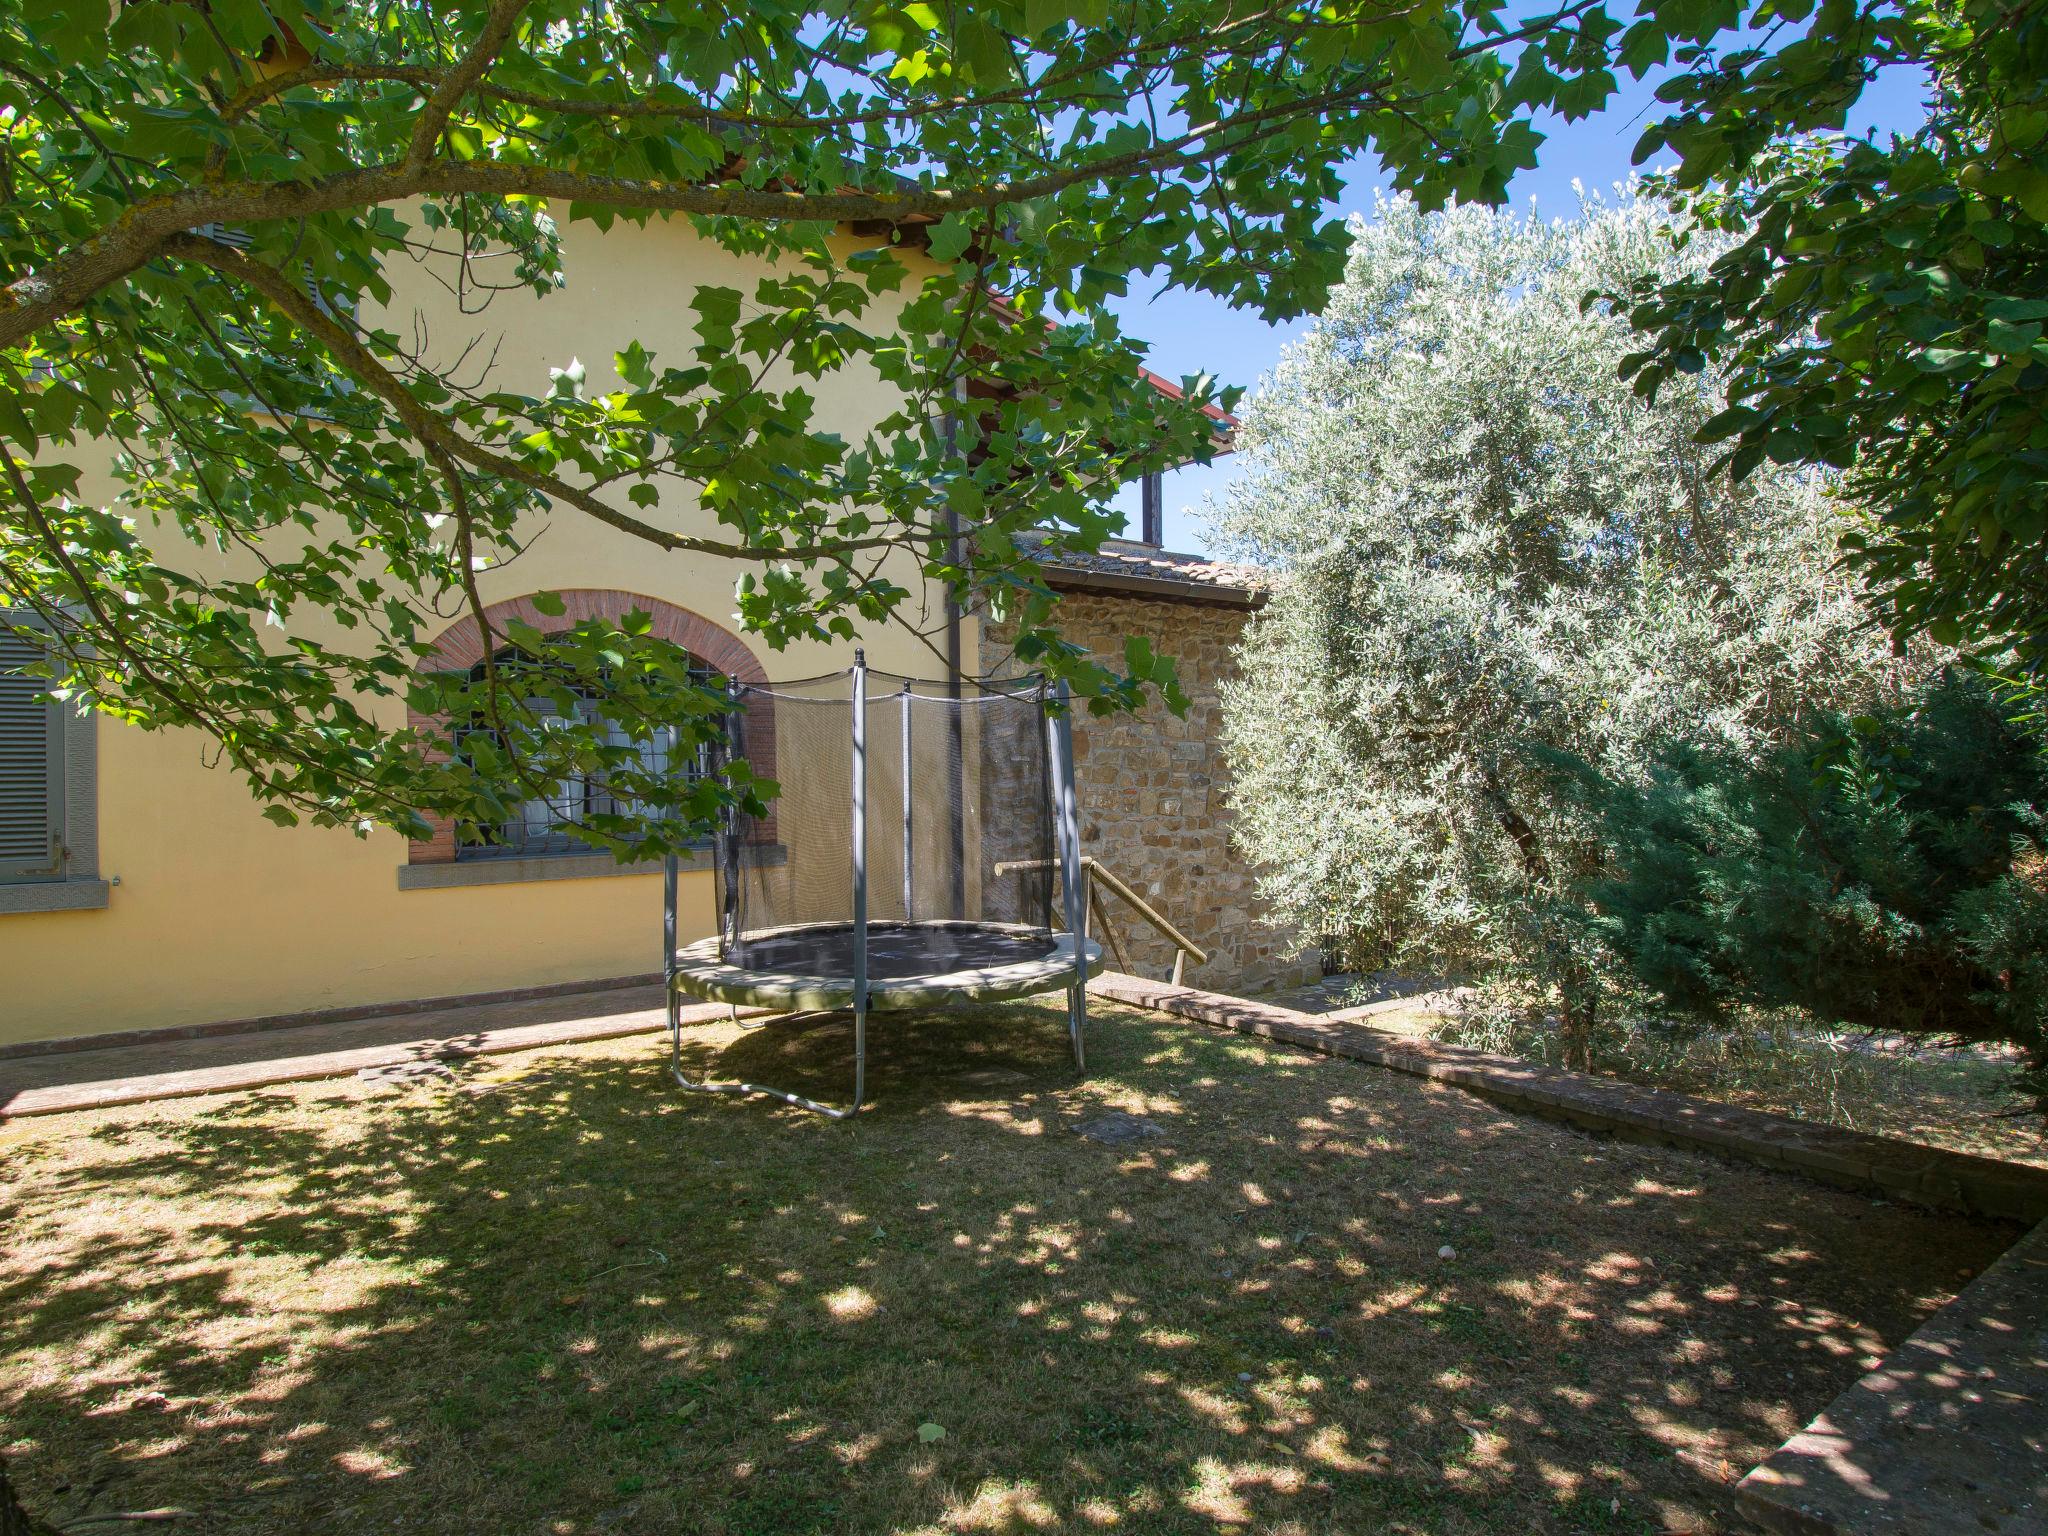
{"x": 1077, "y": 1014}
{"x": 860, "y": 1059}
{"x": 694, "y": 1085}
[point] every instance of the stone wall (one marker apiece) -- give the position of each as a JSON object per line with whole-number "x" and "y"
{"x": 1153, "y": 797}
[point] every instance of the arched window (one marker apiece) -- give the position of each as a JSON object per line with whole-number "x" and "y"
{"x": 538, "y": 831}
{"x": 543, "y": 824}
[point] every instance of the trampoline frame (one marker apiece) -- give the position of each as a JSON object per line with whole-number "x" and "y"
{"x": 702, "y": 969}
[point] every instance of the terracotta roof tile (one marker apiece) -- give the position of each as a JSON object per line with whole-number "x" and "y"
{"x": 1125, "y": 558}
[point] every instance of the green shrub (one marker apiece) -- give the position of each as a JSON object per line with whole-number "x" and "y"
{"x": 1886, "y": 871}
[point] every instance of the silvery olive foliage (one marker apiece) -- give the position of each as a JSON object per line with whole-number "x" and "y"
{"x": 1488, "y": 550}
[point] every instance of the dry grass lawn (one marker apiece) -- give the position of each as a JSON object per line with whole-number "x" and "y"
{"x": 556, "y": 1297}
{"x": 1963, "y": 1098}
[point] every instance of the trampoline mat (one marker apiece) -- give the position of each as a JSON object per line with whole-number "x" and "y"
{"x": 896, "y": 951}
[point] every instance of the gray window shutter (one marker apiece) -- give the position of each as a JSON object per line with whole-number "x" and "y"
{"x": 31, "y": 770}
{"x": 242, "y": 240}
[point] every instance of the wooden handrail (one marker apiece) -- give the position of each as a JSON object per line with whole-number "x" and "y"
{"x": 1092, "y": 871}
{"x": 1144, "y": 909}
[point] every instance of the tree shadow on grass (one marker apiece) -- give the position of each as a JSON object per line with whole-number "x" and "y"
{"x": 561, "y": 1296}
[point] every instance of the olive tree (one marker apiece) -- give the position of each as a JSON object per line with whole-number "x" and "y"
{"x": 1487, "y": 549}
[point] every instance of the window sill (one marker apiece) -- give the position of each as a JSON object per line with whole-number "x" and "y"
{"x": 54, "y": 896}
{"x": 546, "y": 866}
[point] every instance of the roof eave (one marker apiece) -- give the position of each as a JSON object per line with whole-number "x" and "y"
{"x": 1167, "y": 589}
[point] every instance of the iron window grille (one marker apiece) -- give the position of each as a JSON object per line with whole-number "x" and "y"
{"x": 339, "y": 306}
{"x": 543, "y": 826}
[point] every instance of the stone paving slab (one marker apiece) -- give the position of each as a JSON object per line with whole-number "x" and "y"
{"x": 1899, "y": 1170}
{"x": 128, "y": 1074}
{"x": 400, "y": 1011}
{"x": 1948, "y": 1436}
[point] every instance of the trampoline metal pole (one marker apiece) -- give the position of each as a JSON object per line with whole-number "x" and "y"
{"x": 908, "y": 915}
{"x": 670, "y": 970}
{"x": 725, "y": 849}
{"x": 860, "y": 877}
{"x": 670, "y": 999}
{"x": 1073, "y": 881}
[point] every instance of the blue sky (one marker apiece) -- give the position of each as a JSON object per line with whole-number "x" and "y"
{"x": 1192, "y": 332}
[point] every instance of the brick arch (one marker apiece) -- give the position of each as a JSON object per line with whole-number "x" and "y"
{"x": 461, "y": 646}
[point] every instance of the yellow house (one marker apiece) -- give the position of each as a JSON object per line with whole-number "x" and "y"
{"x": 141, "y": 890}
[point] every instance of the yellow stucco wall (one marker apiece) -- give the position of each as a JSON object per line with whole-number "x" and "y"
{"x": 220, "y": 915}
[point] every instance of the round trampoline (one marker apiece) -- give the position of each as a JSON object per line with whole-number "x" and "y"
{"x": 809, "y": 968}
{"x": 907, "y": 860}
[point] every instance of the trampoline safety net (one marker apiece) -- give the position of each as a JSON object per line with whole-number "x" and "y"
{"x": 959, "y": 827}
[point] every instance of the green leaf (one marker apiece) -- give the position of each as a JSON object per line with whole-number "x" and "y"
{"x": 931, "y": 1433}
{"x": 16, "y": 421}
{"x": 950, "y": 237}
{"x": 984, "y": 52}
{"x": 634, "y": 365}
{"x": 2004, "y": 336}
{"x": 1943, "y": 359}
{"x": 1729, "y": 422}
{"x": 1041, "y": 16}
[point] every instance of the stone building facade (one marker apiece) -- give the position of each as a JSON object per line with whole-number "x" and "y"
{"x": 1153, "y": 788}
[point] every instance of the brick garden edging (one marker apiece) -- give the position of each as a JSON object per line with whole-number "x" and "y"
{"x": 1898, "y": 1170}
{"x": 1947, "y": 1437}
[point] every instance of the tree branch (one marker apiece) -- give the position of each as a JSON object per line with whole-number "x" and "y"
{"x": 497, "y": 31}
{"x": 122, "y": 247}
{"x": 433, "y": 431}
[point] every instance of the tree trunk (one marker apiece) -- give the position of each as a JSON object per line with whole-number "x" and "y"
{"x": 1578, "y": 1007}
{"x": 14, "y": 1520}
{"x": 1578, "y": 990}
